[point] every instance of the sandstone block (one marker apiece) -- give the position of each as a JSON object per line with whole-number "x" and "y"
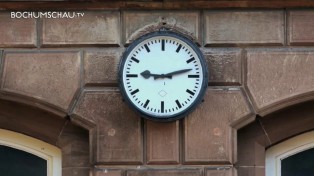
{"x": 94, "y": 28}
{"x": 17, "y": 32}
{"x": 141, "y": 22}
{"x": 107, "y": 172}
{"x": 52, "y": 77}
{"x": 162, "y": 142}
{"x": 220, "y": 171}
{"x": 101, "y": 67}
{"x": 207, "y": 131}
{"x": 181, "y": 172}
{"x": 224, "y": 66}
{"x": 119, "y": 136}
{"x": 301, "y": 27}
{"x": 276, "y": 77}
{"x": 244, "y": 27}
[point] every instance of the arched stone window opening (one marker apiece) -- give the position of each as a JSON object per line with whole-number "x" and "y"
{"x": 291, "y": 157}
{"x": 266, "y": 133}
{"x": 29, "y": 149}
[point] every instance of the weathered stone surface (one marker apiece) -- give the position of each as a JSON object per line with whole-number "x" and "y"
{"x": 50, "y": 77}
{"x": 251, "y": 171}
{"x": 31, "y": 121}
{"x": 244, "y": 27}
{"x": 107, "y": 172}
{"x": 224, "y": 66}
{"x": 181, "y": 172}
{"x": 1, "y": 63}
{"x": 273, "y": 77}
{"x": 252, "y": 141}
{"x": 219, "y": 172}
{"x": 76, "y": 171}
{"x": 95, "y": 28}
{"x": 74, "y": 144}
{"x": 162, "y": 142}
{"x": 101, "y": 67}
{"x": 292, "y": 121}
{"x": 301, "y": 27}
{"x": 207, "y": 133}
{"x": 16, "y": 32}
{"x": 119, "y": 129}
{"x": 141, "y": 22}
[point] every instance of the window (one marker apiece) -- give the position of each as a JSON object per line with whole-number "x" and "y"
{"x": 44, "y": 155}
{"x": 292, "y": 157}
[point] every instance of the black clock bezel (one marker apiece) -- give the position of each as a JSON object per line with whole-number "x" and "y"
{"x": 199, "y": 97}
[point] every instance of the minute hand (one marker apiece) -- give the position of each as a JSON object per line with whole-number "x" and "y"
{"x": 177, "y": 72}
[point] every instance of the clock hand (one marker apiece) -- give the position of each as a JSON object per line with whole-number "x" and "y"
{"x": 146, "y": 74}
{"x": 177, "y": 72}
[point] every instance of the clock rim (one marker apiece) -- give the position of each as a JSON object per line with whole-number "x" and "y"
{"x": 197, "y": 100}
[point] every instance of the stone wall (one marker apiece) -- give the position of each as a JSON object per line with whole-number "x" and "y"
{"x": 259, "y": 61}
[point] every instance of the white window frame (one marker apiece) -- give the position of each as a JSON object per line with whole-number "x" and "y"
{"x": 290, "y": 147}
{"x": 36, "y": 147}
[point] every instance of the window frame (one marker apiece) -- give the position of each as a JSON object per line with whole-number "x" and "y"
{"x": 36, "y": 147}
{"x": 283, "y": 150}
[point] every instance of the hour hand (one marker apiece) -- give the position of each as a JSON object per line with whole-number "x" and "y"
{"x": 146, "y": 74}
{"x": 177, "y": 72}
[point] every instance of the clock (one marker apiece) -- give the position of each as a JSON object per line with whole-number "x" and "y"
{"x": 163, "y": 76}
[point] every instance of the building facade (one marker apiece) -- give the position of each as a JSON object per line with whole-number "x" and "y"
{"x": 59, "y": 84}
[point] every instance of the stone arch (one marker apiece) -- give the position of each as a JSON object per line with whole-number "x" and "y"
{"x": 276, "y": 78}
{"x": 280, "y": 90}
{"x": 269, "y": 130}
{"x": 59, "y": 131}
{"x": 30, "y": 120}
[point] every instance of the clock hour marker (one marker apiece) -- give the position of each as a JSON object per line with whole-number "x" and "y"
{"x": 131, "y": 75}
{"x": 147, "y": 49}
{"x": 193, "y": 76}
{"x": 135, "y": 60}
{"x": 178, "y": 103}
{"x": 179, "y": 47}
{"x": 163, "y": 45}
{"x": 190, "y": 60}
{"x": 162, "y": 106}
{"x": 134, "y": 92}
{"x": 146, "y": 103}
{"x": 190, "y": 92}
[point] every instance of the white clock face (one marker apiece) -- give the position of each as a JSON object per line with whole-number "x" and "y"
{"x": 163, "y": 76}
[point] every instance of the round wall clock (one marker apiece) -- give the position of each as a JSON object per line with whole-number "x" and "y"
{"x": 163, "y": 76}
